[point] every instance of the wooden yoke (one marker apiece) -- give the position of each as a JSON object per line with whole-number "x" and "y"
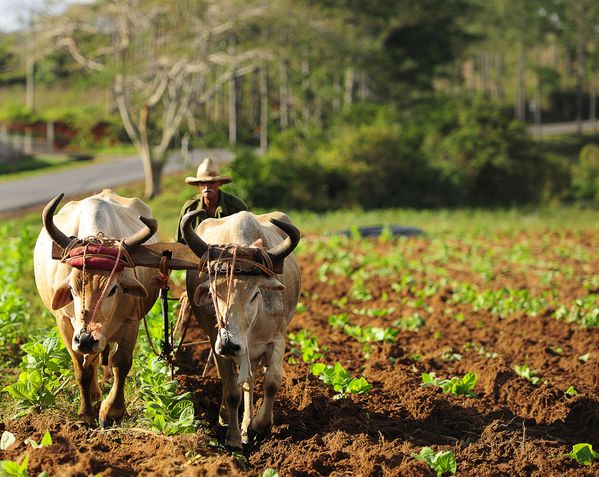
{"x": 149, "y": 255}
{"x": 181, "y": 256}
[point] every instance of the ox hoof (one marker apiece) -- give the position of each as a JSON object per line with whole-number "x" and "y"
{"x": 109, "y": 421}
{"x": 86, "y": 420}
{"x": 257, "y": 430}
{"x": 233, "y": 443}
{"x": 234, "y": 447}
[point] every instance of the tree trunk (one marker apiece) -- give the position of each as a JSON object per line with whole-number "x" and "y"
{"x": 593, "y": 100}
{"x": 579, "y": 73}
{"x": 363, "y": 87}
{"x": 152, "y": 172}
{"x": 349, "y": 88}
{"x": 263, "y": 109}
{"x": 50, "y": 135}
{"x": 307, "y": 93}
{"x": 538, "y": 95}
{"x": 318, "y": 112}
{"x": 499, "y": 78}
{"x": 29, "y": 92}
{"x": 484, "y": 74}
{"x": 233, "y": 108}
{"x": 284, "y": 95}
{"x": 520, "y": 93}
{"x": 337, "y": 94}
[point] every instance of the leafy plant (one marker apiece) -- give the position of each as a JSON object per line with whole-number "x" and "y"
{"x": 342, "y": 381}
{"x": 46, "y": 441}
{"x": 571, "y": 391}
{"x": 412, "y": 323}
{"x": 46, "y": 370}
{"x": 458, "y": 386}
{"x": 525, "y": 372}
{"x": 14, "y": 469}
{"x": 166, "y": 411}
{"x": 583, "y": 453}
{"x": 308, "y": 347}
{"x": 443, "y": 462}
{"x": 270, "y": 473}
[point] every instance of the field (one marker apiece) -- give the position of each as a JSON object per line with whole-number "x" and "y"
{"x": 478, "y": 340}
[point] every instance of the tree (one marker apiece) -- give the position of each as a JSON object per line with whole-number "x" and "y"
{"x": 159, "y": 57}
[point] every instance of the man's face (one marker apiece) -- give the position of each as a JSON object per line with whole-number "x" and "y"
{"x": 209, "y": 189}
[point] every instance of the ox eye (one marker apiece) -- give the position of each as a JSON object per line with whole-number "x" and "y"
{"x": 72, "y": 290}
{"x": 111, "y": 292}
{"x": 255, "y": 296}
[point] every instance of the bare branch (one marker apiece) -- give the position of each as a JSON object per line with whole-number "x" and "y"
{"x": 78, "y": 56}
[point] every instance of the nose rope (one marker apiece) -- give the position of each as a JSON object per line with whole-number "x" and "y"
{"x": 84, "y": 309}
{"x": 103, "y": 294}
{"x": 99, "y": 239}
{"x": 207, "y": 264}
{"x": 221, "y": 321}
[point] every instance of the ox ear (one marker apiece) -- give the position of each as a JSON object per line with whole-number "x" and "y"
{"x": 271, "y": 284}
{"x": 201, "y": 296}
{"x": 132, "y": 287}
{"x": 62, "y": 295}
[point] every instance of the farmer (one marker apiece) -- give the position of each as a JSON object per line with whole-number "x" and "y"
{"x": 214, "y": 201}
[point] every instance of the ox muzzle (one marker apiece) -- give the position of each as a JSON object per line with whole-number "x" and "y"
{"x": 226, "y": 345}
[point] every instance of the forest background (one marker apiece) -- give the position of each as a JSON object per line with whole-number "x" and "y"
{"x": 328, "y": 104}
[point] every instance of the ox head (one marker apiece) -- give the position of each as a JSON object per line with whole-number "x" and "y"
{"x": 240, "y": 303}
{"x": 84, "y": 289}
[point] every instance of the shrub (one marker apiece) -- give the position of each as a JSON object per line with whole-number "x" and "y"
{"x": 484, "y": 157}
{"x": 585, "y": 175}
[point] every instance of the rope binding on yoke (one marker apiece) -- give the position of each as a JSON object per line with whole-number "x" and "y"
{"x": 230, "y": 260}
{"x": 97, "y": 252}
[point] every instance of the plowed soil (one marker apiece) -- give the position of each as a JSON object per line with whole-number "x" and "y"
{"x": 511, "y": 428}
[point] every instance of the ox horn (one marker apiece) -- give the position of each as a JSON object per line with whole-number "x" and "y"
{"x": 192, "y": 239}
{"x": 48, "y": 220}
{"x": 279, "y": 252}
{"x": 139, "y": 237}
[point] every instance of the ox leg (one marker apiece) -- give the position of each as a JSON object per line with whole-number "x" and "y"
{"x": 113, "y": 407}
{"x": 231, "y": 401}
{"x": 262, "y": 423}
{"x": 86, "y": 378}
{"x": 248, "y": 407}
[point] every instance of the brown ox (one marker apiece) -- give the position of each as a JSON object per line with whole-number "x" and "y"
{"x": 72, "y": 294}
{"x": 254, "y": 308}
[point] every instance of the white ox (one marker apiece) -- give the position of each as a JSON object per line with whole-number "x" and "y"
{"x": 72, "y": 294}
{"x": 255, "y": 310}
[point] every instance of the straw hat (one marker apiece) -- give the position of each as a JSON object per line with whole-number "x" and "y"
{"x": 208, "y": 171}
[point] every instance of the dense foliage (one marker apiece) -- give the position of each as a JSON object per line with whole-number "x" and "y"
{"x": 467, "y": 152}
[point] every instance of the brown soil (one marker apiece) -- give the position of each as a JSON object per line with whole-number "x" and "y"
{"x": 512, "y": 428}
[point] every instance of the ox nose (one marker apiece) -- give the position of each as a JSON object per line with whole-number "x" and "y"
{"x": 228, "y": 348}
{"x": 85, "y": 342}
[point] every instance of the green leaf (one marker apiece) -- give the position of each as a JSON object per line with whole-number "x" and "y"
{"x": 585, "y": 357}
{"x": 318, "y": 368}
{"x": 46, "y": 439}
{"x": 426, "y": 455}
{"x": 445, "y": 462}
{"x": 571, "y": 391}
{"x": 583, "y": 453}
{"x": 270, "y": 473}
{"x": 7, "y": 440}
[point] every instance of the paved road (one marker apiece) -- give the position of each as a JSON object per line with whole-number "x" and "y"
{"x": 36, "y": 190}
{"x": 563, "y": 128}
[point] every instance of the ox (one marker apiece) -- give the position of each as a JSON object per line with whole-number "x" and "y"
{"x": 245, "y": 310}
{"x": 95, "y": 307}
